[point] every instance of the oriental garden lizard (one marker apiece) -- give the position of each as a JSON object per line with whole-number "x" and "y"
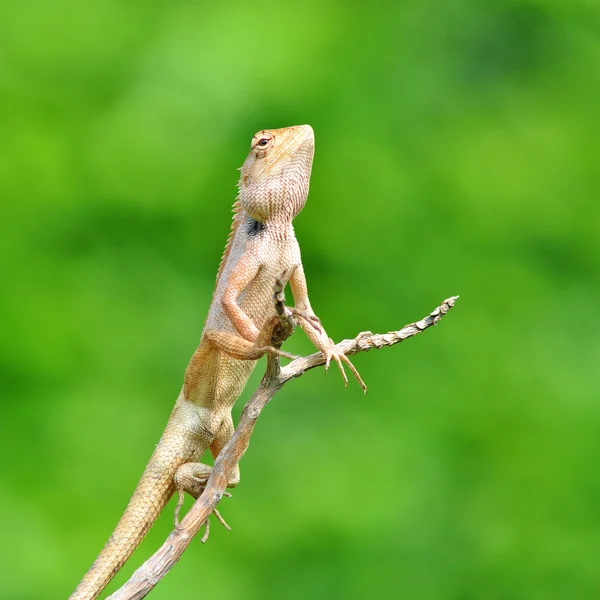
{"x": 261, "y": 250}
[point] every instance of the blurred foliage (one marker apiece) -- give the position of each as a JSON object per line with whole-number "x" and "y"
{"x": 457, "y": 153}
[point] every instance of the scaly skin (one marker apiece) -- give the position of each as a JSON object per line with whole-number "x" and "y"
{"x": 261, "y": 249}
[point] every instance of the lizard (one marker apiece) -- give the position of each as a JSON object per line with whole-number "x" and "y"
{"x": 261, "y": 250}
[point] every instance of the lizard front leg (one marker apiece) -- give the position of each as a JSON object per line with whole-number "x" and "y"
{"x": 313, "y": 329}
{"x": 237, "y": 347}
{"x": 250, "y": 343}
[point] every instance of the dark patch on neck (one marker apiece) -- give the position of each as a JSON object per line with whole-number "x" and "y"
{"x": 254, "y": 228}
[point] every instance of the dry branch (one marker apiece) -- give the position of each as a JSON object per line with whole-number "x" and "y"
{"x": 156, "y": 567}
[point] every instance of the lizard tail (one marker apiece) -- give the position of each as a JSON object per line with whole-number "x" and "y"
{"x": 150, "y": 497}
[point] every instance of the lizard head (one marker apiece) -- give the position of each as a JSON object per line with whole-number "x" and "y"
{"x": 275, "y": 176}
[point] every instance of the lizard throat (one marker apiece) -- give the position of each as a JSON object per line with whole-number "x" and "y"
{"x": 253, "y": 227}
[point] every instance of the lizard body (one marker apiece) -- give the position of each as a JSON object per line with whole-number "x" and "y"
{"x": 262, "y": 248}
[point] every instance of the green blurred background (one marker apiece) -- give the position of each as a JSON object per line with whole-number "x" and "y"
{"x": 457, "y": 153}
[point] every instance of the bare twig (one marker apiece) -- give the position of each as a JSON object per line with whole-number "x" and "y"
{"x": 156, "y": 567}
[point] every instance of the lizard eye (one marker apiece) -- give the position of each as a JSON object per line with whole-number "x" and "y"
{"x": 261, "y": 142}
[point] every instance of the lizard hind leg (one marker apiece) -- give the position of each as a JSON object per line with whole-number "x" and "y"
{"x": 191, "y": 477}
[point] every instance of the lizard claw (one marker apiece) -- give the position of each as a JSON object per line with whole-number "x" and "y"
{"x": 199, "y": 490}
{"x": 221, "y": 520}
{"x": 204, "y": 538}
{"x": 355, "y": 372}
{"x": 342, "y": 371}
{"x": 308, "y": 317}
{"x": 340, "y": 358}
{"x": 180, "y": 499}
{"x": 272, "y": 350}
{"x": 195, "y": 492}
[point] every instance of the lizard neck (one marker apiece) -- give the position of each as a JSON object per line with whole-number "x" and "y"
{"x": 279, "y": 229}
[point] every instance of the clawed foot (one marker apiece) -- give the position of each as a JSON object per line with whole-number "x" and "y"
{"x": 207, "y": 525}
{"x": 333, "y": 352}
{"x": 323, "y": 343}
{"x": 180, "y": 500}
{"x": 199, "y": 485}
{"x": 215, "y": 512}
{"x": 276, "y": 351}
